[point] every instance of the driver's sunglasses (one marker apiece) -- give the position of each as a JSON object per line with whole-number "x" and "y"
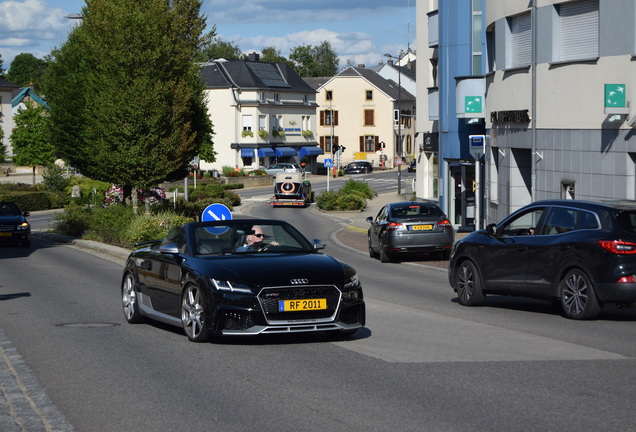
{"x": 259, "y": 235}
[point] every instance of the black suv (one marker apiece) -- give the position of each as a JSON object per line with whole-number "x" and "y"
{"x": 580, "y": 253}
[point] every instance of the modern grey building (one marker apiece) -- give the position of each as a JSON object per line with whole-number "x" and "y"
{"x": 558, "y": 81}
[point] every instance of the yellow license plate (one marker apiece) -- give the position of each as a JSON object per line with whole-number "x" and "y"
{"x": 422, "y": 227}
{"x": 301, "y": 305}
{"x": 5, "y": 234}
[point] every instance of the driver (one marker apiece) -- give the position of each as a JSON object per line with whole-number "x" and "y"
{"x": 254, "y": 241}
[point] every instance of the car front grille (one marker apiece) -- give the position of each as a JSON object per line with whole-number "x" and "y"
{"x": 269, "y": 298}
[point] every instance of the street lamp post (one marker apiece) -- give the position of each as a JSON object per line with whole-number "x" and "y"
{"x": 398, "y": 147}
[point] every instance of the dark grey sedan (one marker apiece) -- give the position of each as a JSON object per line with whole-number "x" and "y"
{"x": 410, "y": 227}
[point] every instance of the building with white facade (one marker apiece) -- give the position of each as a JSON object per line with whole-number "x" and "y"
{"x": 261, "y": 113}
{"x": 7, "y": 93}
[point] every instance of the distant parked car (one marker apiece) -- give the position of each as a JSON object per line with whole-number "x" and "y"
{"x": 14, "y": 227}
{"x": 410, "y": 227}
{"x": 359, "y": 167}
{"x": 283, "y": 167}
{"x": 579, "y": 253}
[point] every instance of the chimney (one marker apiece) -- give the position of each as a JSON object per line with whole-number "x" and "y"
{"x": 389, "y": 62}
{"x": 362, "y": 65}
{"x": 254, "y": 57}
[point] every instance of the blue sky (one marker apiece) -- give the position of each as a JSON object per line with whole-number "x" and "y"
{"x": 358, "y": 30}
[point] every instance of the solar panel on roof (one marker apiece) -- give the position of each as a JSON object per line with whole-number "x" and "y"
{"x": 268, "y": 73}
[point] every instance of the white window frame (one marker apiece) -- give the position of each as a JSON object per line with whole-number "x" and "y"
{"x": 577, "y": 30}
{"x": 262, "y": 122}
{"x": 247, "y": 122}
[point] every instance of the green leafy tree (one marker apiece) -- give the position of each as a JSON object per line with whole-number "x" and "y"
{"x": 271, "y": 55}
{"x": 30, "y": 138}
{"x": 126, "y": 96}
{"x": 1, "y": 67}
{"x": 310, "y": 61}
{"x": 26, "y": 69}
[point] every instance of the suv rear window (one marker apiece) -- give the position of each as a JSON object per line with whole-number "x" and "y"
{"x": 627, "y": 221}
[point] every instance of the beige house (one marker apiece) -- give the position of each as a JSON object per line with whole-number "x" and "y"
{"x": 358, "y": 111}
{"x": 262, "y": 113}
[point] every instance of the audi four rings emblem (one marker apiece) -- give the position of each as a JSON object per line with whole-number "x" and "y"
{"x": 299, "y": 281}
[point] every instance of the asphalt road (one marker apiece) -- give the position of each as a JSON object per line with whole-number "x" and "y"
{"x": 423, "y": 363}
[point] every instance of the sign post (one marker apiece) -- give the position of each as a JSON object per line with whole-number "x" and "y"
{"x": 477, "y": 149}
{"x": 328, "y": 163}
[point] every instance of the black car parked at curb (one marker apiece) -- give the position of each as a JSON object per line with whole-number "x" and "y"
{"x": 241, "y": 277}
{"x": 580, "y": 253}
{"x": 358, "y": 167}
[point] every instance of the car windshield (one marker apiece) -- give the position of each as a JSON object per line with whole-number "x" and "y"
{"x": 416, "y": 211}
{"x": 247, "y": 237}
{"x": 9, "y": 209}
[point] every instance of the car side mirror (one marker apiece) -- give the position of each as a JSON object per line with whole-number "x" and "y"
{"x": 491, "y": 229}
{"x": 25, "y": 214}
{"x": 169, "y": 249}
{"x": 318, "y": 245}
{"x": 369, "y": 219}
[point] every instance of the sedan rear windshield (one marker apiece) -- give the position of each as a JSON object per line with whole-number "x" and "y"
{"x": 415, "y": 210}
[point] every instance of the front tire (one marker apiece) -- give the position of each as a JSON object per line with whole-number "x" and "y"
{"x": 130, "y": 299}
{"x": 578, "y": 298}
{"x": 468, "y": 285}
{"x": 193, "y": 314}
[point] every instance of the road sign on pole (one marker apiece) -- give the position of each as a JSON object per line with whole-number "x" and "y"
{"x": 216, "y": 212}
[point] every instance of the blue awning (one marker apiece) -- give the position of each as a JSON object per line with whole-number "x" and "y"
{"x": 266, "y": 152}
{"x": 247, "y": 152}
{"x": 286, "y": 151}
{"x": 311, "y": 151}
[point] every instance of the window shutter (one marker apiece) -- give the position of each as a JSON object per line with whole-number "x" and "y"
{"x": 322, "y": 118}
{"x": 322, "y": 143}
{"x": 578, "y": 30}
{"x": 335, "y": 118}
{"x": 361, "y": 143}
{"x": 520, "y": 40}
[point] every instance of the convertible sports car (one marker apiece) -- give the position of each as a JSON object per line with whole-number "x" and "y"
{"x": 211, "y": 279}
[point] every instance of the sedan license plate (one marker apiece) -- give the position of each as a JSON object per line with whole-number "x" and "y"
{"x": 301, "y": 305}
{"x": 421, "y": 227}
{"x": 5, "y": 234}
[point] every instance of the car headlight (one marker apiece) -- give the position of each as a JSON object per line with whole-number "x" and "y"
{"x": 224, "y": 285}
{"x": 352, "y": 289}
{"x": 353, "y": 282}
{"x": 23, "y": 226}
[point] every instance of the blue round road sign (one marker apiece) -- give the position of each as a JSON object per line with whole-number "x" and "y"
{"x": 216, "y": 212}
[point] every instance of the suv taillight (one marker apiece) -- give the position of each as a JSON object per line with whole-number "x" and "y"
{"x": 445, "y": 224}
{"x": 617, "y": 246}
{"x": 394, "y": 226}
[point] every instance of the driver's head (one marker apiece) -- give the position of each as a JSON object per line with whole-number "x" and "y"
{"x": 256, "y": 237}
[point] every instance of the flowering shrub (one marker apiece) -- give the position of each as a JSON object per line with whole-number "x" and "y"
{"x": 115, "y": 195}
